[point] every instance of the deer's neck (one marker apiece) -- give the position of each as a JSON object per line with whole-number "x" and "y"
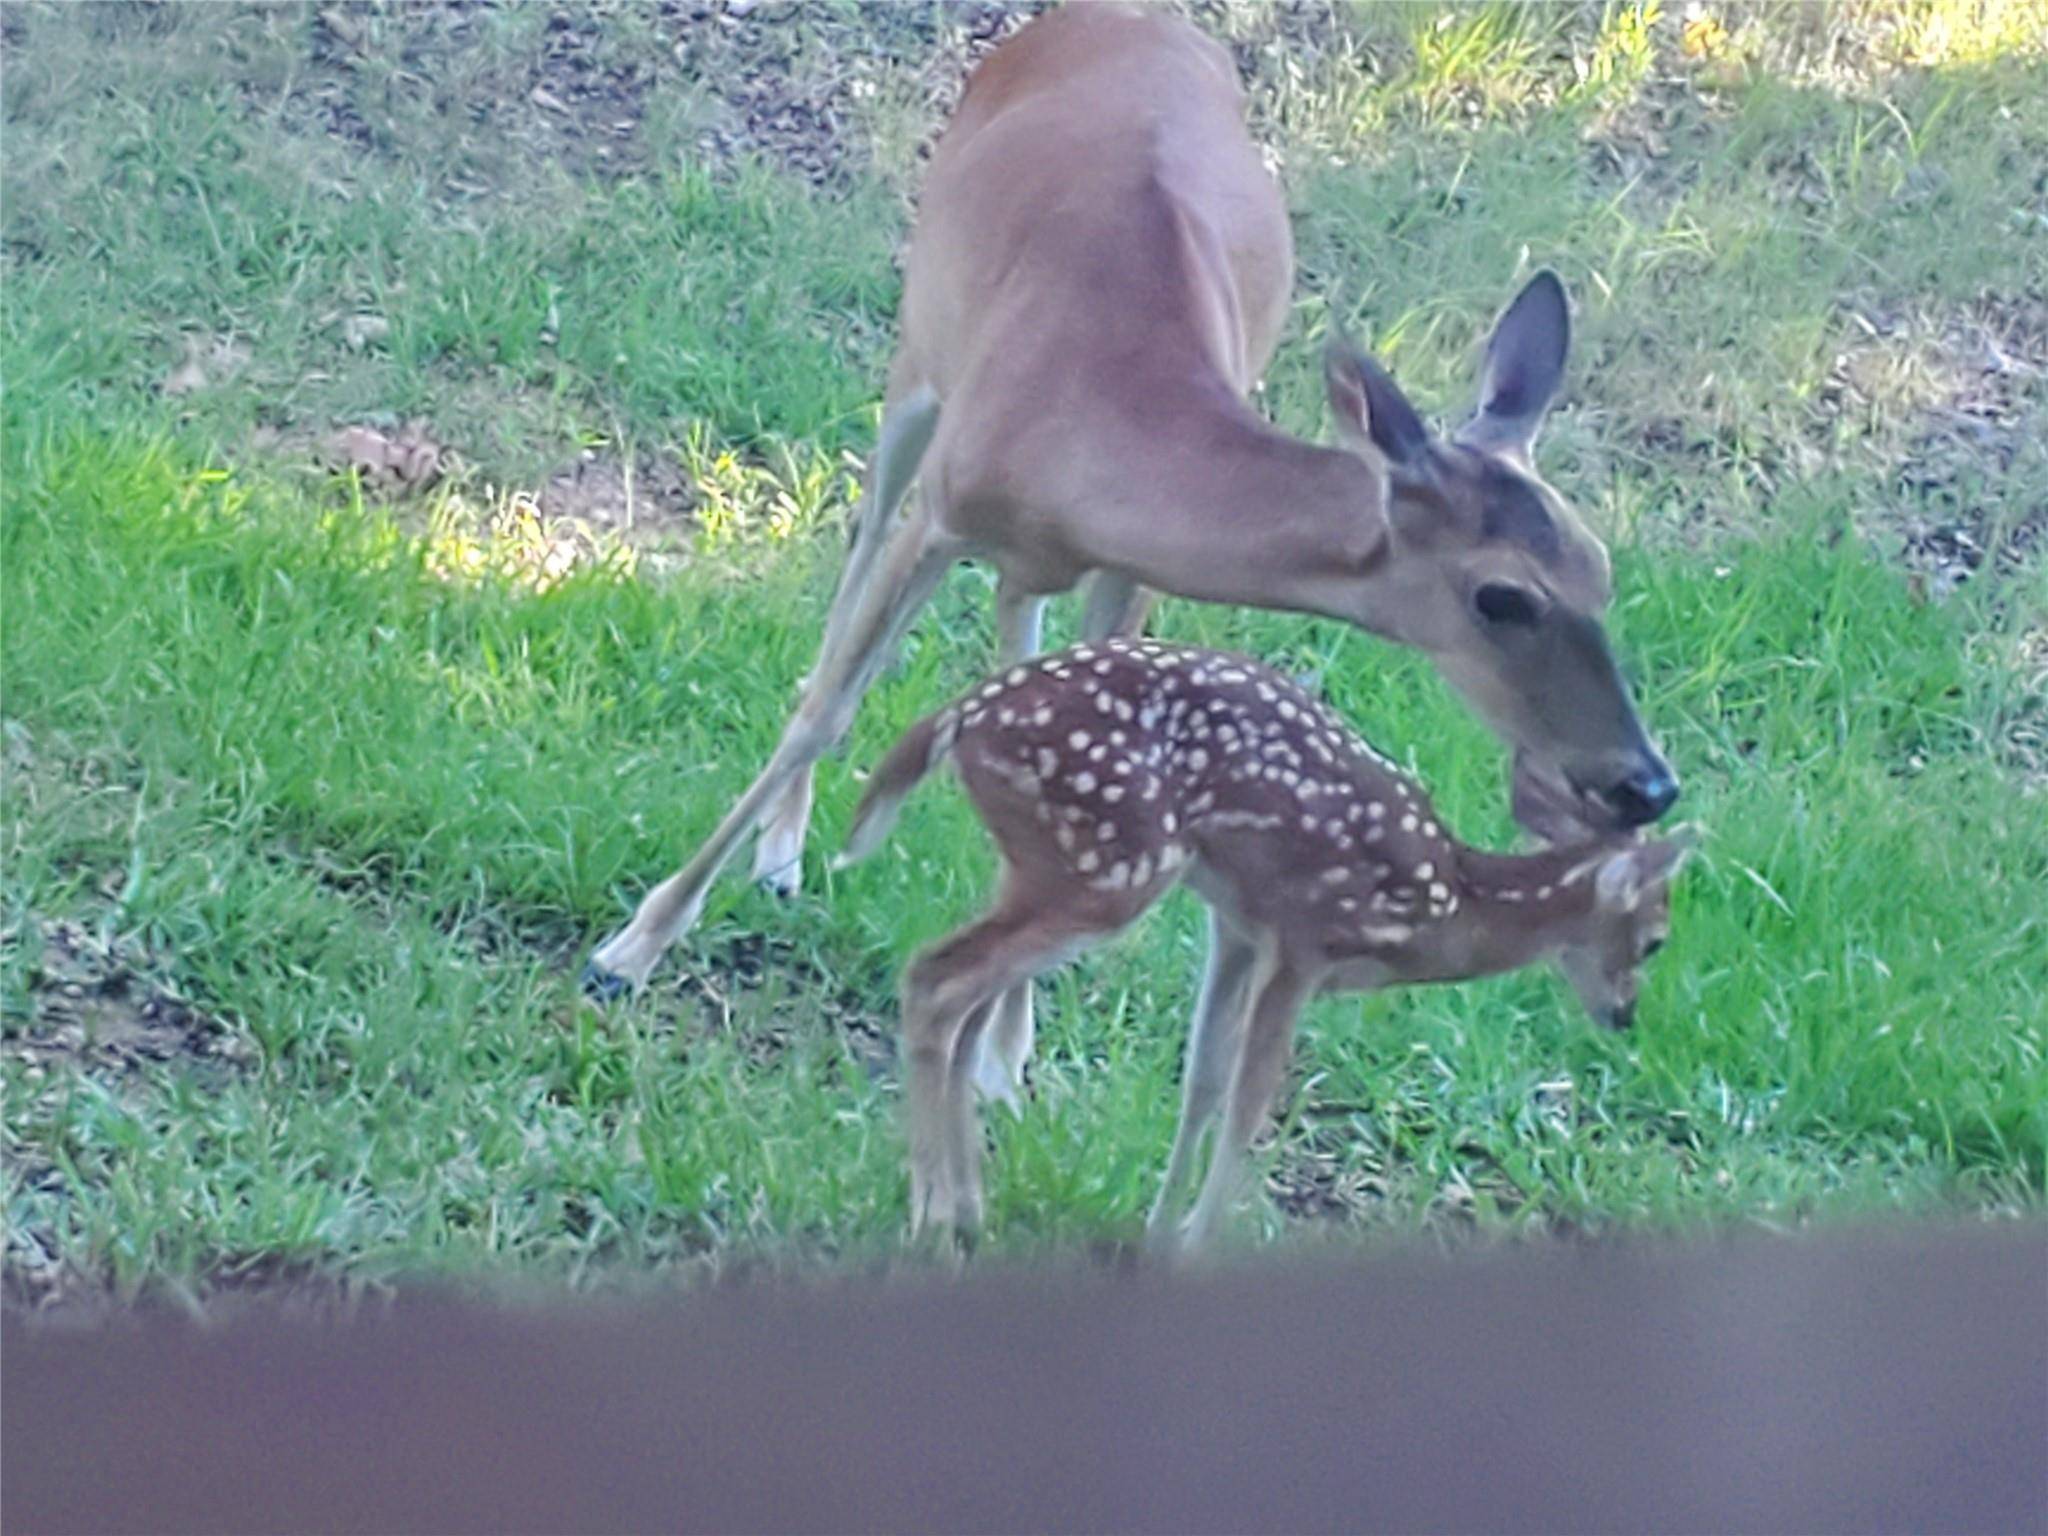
{"x": 1256, "y": 516}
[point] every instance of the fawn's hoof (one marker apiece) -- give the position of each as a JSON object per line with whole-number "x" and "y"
{"x": 784, "y": 882}
{"x": 601, "y": 985}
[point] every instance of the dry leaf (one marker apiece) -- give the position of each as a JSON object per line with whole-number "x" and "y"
{"x": 360, "y": 330}
{"x": 399, "y": 464}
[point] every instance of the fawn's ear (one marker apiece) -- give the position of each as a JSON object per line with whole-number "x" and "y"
{"x": 1616, "y": 886}
{"x": 1625, "y": 876}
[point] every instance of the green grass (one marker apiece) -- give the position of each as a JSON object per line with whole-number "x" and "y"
{"x": 370, "y": 816}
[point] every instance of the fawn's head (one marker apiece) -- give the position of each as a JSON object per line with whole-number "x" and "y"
{"x": 1500, "y": 581}
{"x": 1628, "y": 922}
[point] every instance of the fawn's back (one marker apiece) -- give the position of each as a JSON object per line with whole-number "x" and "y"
{"x": 1112, "y": 766}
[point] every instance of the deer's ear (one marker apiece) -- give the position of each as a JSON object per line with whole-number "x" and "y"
{"x": 1524, "y": 366}
{"x": 1372, "y": 414}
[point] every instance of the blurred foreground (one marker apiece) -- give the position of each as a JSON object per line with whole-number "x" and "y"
{"x": 1862, "y": 1381}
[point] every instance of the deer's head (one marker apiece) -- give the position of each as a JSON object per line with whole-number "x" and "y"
{"x": 1498, "y": 579}
{"x": 1629, "y": 921}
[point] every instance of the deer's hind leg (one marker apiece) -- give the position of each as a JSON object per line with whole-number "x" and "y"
{"x": 907, "y": 427}
{"x": 1005, "y": 1042}
{"x": 909, "y": 570}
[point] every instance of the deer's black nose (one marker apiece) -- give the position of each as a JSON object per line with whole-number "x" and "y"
{"x": 1643, "y": 797}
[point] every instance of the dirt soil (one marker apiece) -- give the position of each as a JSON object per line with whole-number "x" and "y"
{"x": 105, "y": 1003}
{"x": 105, "y": 1010}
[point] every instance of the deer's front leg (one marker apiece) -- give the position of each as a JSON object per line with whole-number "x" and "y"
{"x": 1005, "y": 1048}
{"x": 1113, "y": 605}
{"x": 1279, "y": 987}
{"x": 908, "y": 423}
{"x": 1211, "y": 1058}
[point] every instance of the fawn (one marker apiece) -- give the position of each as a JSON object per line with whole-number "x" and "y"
{"x": 1106, "y": 773}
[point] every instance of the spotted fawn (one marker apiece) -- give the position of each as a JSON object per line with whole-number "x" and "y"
{"x": 1108, "y": 772}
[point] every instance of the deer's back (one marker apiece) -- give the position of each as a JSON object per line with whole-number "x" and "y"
{"x": 1096, "y": 177}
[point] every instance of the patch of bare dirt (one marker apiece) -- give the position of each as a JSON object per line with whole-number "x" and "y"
{"x": 644, "y": 501}
{"x": 581, "y": 515}
{"x": 568, "y": 99}
{"x": 1631, "y": 144}
{"x": 759, "y": 989}
{"x": 1325, "y": 1175}
{"x": 1955, "y": 407}
{"x": 103, "y": 1009}
{"x": 105, "y": 1004}
{"x": 793, "y": 79}
{"x": 205, "y": 362}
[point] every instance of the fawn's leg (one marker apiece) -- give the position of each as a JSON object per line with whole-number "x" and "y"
{"x": 911, "y": 567}
{"x": 1115, "y": 605}
{"x": 907, "y": 427}
{"x": 1211, "y": 1057}
{"x": 947, "y": 994}
{"x": 1279, "y": 987}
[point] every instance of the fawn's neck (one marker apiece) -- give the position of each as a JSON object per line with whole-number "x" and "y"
{"x": 1512, "y": 909}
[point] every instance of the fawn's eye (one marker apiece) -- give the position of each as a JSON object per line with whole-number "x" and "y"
{"x": 1499, "y": 602}
{"x": 1652, "y": 947}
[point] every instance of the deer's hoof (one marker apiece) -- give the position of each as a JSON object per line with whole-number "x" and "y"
{"x": 602, "y": 986}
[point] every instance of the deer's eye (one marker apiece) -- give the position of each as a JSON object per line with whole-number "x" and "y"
{"x": 1498, "y": 602}
{"x": 1652, "y": 947}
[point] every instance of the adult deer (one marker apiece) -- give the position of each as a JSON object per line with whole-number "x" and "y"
{"x": 1099, "y": 272}
{"x": 1108, "y": 773}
